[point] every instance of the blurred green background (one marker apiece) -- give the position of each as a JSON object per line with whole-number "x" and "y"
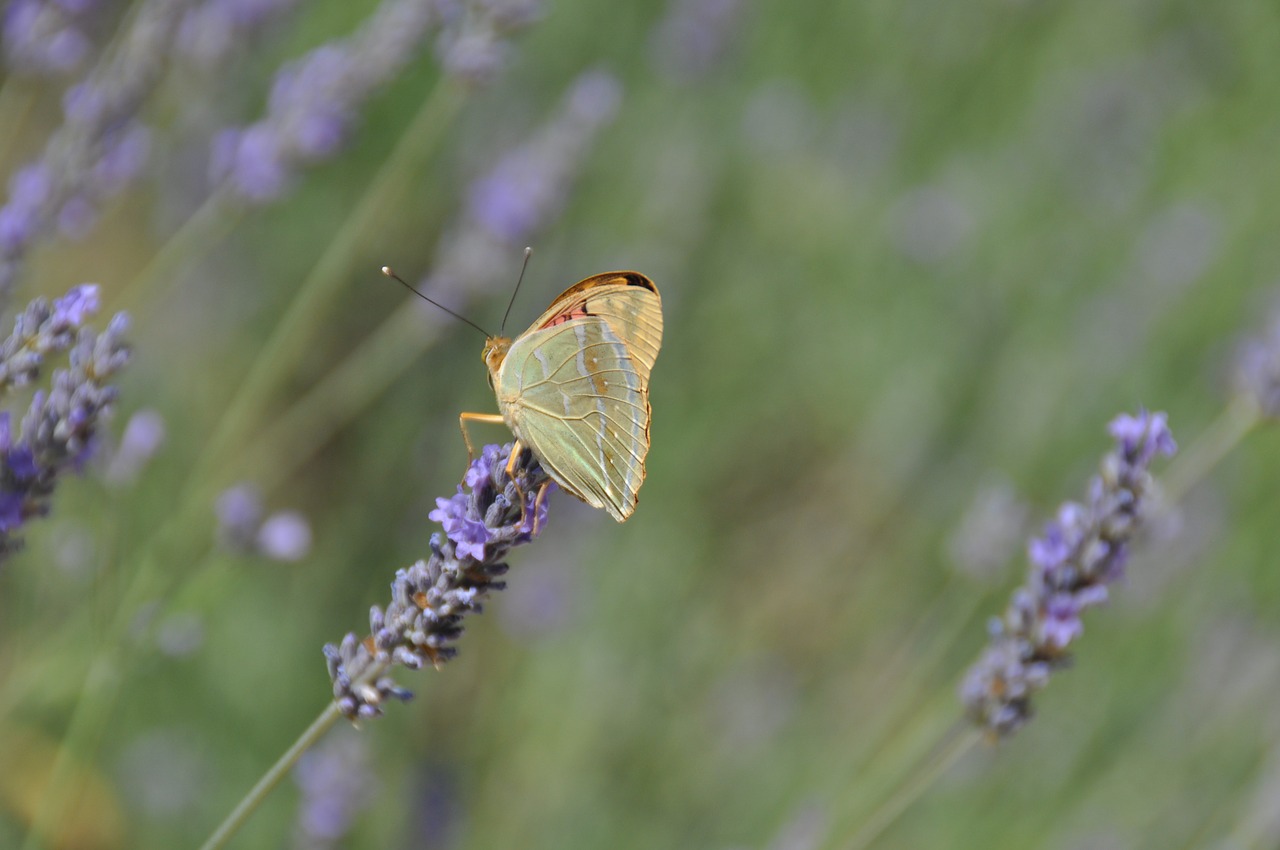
{"x": 913, "y": 257}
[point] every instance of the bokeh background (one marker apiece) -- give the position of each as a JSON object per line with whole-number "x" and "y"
{"x": 913, "y": 257}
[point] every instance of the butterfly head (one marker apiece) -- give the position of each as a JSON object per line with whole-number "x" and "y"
{"x": 495, "y": 351}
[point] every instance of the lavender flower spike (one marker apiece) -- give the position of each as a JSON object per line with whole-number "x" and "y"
{"x": 60, "y": 428}
{"x": 43, "y": 329}
{"x": 1080, "y": 553}
{"x": 489, "y": 515}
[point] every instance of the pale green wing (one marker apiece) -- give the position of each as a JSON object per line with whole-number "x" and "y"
{"x": 628, "y": 301}
{"x": 575, "y": 396}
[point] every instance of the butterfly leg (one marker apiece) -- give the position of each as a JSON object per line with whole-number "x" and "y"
{"x": 538, "y": 502}
{"x": 516, "y": 449}
{"x": 488, "y": 419}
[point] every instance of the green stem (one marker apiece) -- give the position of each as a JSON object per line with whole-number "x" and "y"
{"x": 1240, "y": 417}
{"x": 294, "y": 333}
{"x": 15, "y": 103}
{"x": 961, "y": 741}
{"x": 360, "y": 379}
{"x": 247, "y": 806}
{"x": 203, "y": 229}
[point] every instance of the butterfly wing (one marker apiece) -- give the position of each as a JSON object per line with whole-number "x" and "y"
{"x": 627, "y": 301}
{"x": 574, "y": 393}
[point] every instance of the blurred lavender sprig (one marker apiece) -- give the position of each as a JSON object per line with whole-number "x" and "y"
{"x": 488, "y": 516}
{"x": 100, "y": 147}
{"x": 315, "y": 100}
{"x": 210, "y": 31}
{"x": 1258, "y": 368}
{"x": 693, "y": 36}
{"x": 337, "y": 780}
{"x": 525, "y": 190}
{"x": 1080, "y": 553}
{"x": 46, "y": 36}
{"x": 60, "y": 427}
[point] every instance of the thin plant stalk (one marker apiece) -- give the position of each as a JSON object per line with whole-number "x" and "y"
{"x": 292, "y": 335}
{"x": 264, "y": 786}
{"x": 961, "y": 741}
{"x": 1241, "y": 416}
{"x": 15, "y": 104}
{"x": 216, "y": 217}
{"x": 340, "y": 396}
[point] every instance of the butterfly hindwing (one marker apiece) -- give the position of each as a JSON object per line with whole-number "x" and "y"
{"x": 577, "y": 396}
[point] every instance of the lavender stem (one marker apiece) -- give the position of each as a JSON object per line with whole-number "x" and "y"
{"x": 278, "y": 771}
{"x": 294, "y": 332}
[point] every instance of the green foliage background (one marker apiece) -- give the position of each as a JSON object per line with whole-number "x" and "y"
{"x": 907, "y": 251}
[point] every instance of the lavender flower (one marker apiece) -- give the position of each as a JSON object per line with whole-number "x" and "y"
{"x": 43, "y": 329}
{"x": 44, "y": 37}
{"x": 100, "y": 146}
{"x": 1080, "y": 553}
{"x": 525, "y": 191}
{"x": 489, "y": 516}
{"x": 60, "y": 427}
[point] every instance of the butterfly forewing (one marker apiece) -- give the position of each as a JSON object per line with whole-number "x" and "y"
{"x": 627, "y": 301}
{"x": 576, "y": 394}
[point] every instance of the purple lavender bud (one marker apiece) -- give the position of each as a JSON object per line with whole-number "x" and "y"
{"x": 78, "y": 304}
{"x": 1080, "y": 552}
{"x": 430, "y": 598}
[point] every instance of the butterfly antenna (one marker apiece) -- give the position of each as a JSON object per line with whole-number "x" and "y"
{"x": 386, "y": 270}
{"x": 527, "y": 253}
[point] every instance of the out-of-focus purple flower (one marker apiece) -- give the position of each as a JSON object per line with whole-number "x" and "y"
{"x": 60, "y": 427}
{"x": 1080, "y": 552}
{"x": 43, "y": 37}
{"x": 143, "y": 436}
{"x": 242, "y": 529}
{"x": 473, "y": 43}
{"x": 430, "y": 598}
{"x": 211, "y": 31}
{"x": 693, "y": 36}
{"x": 525, "y": 192}
{"x": 337, "y": 782}
{"x": 314, "y": 101}
{"x": 239, "y": 512}
{"x": 100, "y": 145}
{"x": 285, "y": 536}
{"x": 1257, "y": 367}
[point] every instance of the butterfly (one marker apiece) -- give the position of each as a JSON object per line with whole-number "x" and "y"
{"x": 574, "y": 387}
